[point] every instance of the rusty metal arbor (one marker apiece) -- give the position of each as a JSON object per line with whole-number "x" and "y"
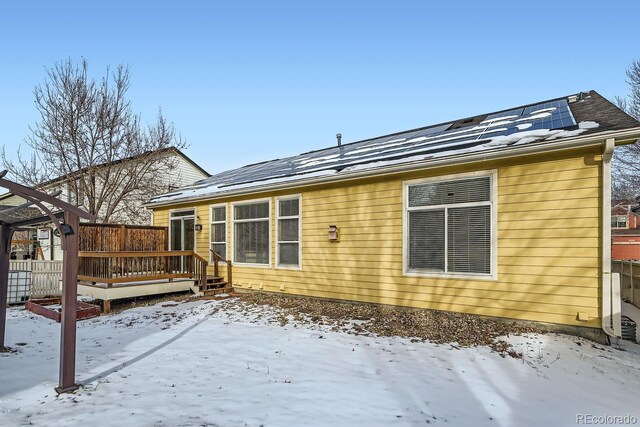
{"x": 66, "y": 218}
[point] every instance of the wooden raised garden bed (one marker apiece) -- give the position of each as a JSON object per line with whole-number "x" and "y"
{"x": 51, "y": 307}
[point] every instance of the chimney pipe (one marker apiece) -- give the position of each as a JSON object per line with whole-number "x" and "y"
{"x": 339, "y": 138}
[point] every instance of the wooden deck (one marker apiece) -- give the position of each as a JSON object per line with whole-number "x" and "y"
{"x": 117, "y": 261}
{"x": 111, "y": 275}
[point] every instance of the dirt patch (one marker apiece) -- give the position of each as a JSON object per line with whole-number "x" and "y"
{"x": 439, "y": 327}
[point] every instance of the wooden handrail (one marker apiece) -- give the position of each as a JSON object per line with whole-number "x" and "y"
{"x": 132, "y": 254}
{"x": 216, "y": 259}
{"x": 217, "y": 255}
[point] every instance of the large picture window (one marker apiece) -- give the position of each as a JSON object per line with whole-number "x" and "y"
{"x": 288, "y": 241}
{"x": 219, "y": 230}
{"x": 251, "y": 233}
{"x": 449, "y": 227}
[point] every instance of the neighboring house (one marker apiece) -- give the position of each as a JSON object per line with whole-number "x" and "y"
{"x": 625, "y": 244}
{"x": 184, "y": 171}
{"x": 498, "y": 214}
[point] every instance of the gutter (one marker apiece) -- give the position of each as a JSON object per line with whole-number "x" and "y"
{"x": 624, "y": 136}
{"x": 611, "y": 304}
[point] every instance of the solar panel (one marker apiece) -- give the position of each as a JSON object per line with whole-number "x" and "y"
{"x": 431, "y": 141}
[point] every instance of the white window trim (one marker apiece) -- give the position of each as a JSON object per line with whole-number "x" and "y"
{"x": 299, "y": 217}
{"x": 494, "y": 225}
{"x": 233, "y": 231}
{"x": 195, "y": 217}
{"x": 626, "y": 222}
{"x": 226, "y": 229}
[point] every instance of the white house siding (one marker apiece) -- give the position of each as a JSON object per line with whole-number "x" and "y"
{"x": 187, "y": 173}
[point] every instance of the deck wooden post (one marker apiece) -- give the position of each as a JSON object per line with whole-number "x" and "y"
{"x": 123, "y": 238}
{"x": 67, "y": 378}
{"x": 5, "y": 245}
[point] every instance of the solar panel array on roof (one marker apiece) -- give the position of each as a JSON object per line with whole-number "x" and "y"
{"x": 427, "y": 142}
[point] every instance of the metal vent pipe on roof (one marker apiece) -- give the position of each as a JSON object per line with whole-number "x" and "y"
{"x": 339, "y": 138}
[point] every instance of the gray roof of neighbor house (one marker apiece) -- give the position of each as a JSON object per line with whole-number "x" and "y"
{"x": 13, "y": 214}
{"x": 553, "y": 120}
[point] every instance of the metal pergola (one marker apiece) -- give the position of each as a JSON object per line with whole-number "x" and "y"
{"x": 66, "y": 218}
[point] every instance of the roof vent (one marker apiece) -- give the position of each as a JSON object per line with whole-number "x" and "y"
{"x": 339, "y": 138}
{"x": 579, "y": 97}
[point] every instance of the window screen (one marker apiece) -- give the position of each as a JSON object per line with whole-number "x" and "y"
{"x": 219, "y": 231}
{"x": 469, "y": 239}
{"x": 289, "y": 232}
{"x": 443, "y": 235}
{"x": 426, "y": 240}
{"x": 251, "y": 230}
{"x": 453, "y": 192}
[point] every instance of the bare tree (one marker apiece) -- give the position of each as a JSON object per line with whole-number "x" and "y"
{"x": 89, "y": 137}
{"x": 626, "y": 159}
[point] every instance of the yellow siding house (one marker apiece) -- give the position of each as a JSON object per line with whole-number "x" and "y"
{"x": 503, "y": 214}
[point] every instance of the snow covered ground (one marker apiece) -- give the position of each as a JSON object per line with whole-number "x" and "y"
{"x": 198, "y": 363}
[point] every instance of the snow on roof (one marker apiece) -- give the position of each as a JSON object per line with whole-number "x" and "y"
{"x": 534, "y": 123}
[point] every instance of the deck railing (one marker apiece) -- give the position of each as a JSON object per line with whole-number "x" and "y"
{"x": 136, "y": 266}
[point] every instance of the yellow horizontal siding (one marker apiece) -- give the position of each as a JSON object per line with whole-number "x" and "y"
{"x": 548, "y": 244}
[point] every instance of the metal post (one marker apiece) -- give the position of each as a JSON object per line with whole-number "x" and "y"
{"x": 67, "y": 378}
{"x": 631, "y": 297}
{"x": 5, "y": 245}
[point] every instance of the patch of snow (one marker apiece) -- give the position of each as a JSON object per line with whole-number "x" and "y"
{"x": 544, "y": 110}
{"x": 499, "y": 118}
{"x": 213, "y": 188}
{"x": 588, "y": 124}
{"x": 524, "y": 126}
{"x": 534, "y": 117}
{"x": 372, "y": 147}
{"x": 500, "y": 123}
{"x": 197, "y": 364}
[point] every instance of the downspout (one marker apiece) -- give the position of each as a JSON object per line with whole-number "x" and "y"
{"x": 610, "y": 282}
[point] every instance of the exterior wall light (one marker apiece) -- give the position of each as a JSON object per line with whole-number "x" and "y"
{"x": 197, "y": 227}
{"x": 66, "y": 229}
{"x": 334, "y": 233}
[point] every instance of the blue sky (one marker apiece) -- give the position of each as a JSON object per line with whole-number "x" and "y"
{"x": 250, "y": 81}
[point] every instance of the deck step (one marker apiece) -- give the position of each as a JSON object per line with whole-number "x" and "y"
{"x": 217, "y": 291}
{"x": 215, "y": 285}
{"x": 214, "y": 279}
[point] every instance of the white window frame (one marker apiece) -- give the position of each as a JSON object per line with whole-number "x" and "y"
{"x": 233, "y": 231}
{"x": 493, "y": 202}
{"x": 618, "y": 222}
{"x": 226, "y": 229}
{"x": 297, "y": 197}
{"x": 195, "y": 217}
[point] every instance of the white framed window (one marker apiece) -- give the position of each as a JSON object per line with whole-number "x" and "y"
{"x": 288, "y": 232}
{"x": 450, "y": 226}
{"x": 218, "y": 230}
{"x": 619, "y": 221}
{"x": 251, "y": 232}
